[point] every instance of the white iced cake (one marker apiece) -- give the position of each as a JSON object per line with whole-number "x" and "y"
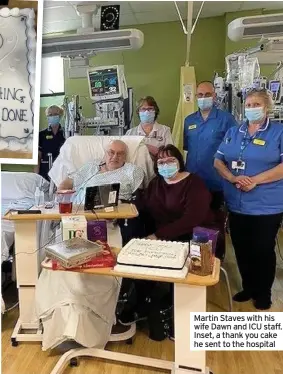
{"x": 154, "y": 257}
{"x": 17, "y": 77}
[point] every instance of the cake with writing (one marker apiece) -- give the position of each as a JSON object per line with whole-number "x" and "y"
{"x": 17, "y": 77}
{"x": 154, "y": 257}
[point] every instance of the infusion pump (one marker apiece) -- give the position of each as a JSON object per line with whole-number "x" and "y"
{"x": 276, "y": 87}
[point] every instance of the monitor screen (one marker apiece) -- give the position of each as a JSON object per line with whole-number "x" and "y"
{"x": 104, "y": 82}
{"x": 274, "y": 86}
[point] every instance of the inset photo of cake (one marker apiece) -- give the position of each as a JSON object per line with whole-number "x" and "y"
{"x": 19, "y": 109}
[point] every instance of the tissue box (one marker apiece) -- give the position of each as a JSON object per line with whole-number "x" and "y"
{"x": 97, "y": 230}
{"x": 74, "y": 227}
{"x": 212, "y": 235}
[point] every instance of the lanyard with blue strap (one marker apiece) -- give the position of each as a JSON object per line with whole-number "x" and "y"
{"x": 246, "y": 141}
{"x": 240, "y": 164}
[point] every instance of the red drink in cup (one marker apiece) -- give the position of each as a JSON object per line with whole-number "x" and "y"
{"x": 64, "y": 199}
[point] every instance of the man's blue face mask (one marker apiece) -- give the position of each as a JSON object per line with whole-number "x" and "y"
{"x": 205, "y": 103}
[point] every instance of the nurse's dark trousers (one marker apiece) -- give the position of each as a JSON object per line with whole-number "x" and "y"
{"x": 217, "y": 206}
{"x": 253, "y": 239}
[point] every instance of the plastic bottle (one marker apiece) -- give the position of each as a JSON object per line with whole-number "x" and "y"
{"x": 41, "y": 200}
{"x": 37, "y": 196}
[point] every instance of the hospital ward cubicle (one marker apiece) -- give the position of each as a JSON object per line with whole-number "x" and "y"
{"x": 76, "y": 152}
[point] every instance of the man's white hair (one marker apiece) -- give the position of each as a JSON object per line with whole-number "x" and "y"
{"x": 118, "y": 141}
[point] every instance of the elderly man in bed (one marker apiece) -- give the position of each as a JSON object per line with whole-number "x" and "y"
{"x": 112, "y": 169}
{"x": 81, "y": 307}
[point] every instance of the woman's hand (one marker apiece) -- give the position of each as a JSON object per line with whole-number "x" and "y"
{"x": 152, "y": 150}
{"x": 242, "y": 181}
{"x": 247, "y": 188}
{"x": 151, "y": 237}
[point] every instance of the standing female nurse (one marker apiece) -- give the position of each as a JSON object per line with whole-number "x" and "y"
{"x": 250, "y": 159}
{"x": 156, "y": 135}
{"x": 50, "y": 141}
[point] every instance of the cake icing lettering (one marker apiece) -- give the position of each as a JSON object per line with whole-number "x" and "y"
{"x": 152, "y": 250}
{"x": 17, "y": 71}
{"x": 12, "y": 94}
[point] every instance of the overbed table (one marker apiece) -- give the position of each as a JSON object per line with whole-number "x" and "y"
{"x": 189, "y": 296}
{"x": 28, "y": 261}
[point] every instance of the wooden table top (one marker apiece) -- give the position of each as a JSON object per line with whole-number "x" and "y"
{"x": 191, "y": 279}
{"x": 125, "y": 211}
{"x": 15, "y": 154}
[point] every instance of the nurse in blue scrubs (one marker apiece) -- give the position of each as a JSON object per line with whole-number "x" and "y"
{"x": 50, "y": 141}
{"x": 204, "y": 131}
{"x": 250, "y": 159}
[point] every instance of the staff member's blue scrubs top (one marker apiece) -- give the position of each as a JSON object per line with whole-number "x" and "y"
{"x": 201, "y": 140}
{"x": 263, "y": 151}
{"x": 49, "y": 143}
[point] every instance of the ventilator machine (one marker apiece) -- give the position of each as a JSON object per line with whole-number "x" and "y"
{"x": 243, "y": 71}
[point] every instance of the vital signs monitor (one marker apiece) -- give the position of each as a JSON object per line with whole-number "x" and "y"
{"x": 106, "y": 83}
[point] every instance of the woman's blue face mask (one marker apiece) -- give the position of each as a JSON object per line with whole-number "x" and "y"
{"x": 254, "y": 114}
{"x": 147, "y": 116}
{"x": 53, "y": 120}
{"x": 168, "y": 171}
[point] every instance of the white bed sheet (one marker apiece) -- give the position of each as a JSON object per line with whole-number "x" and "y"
{"x": 17, "y": 190}
{"x": 76, "y": 306}
{"x": 44, "y": 230}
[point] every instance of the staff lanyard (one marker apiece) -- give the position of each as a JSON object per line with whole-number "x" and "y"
{"x": 246, "y": 141}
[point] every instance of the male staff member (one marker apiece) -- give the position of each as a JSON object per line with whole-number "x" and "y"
{"x": 204, "y": 131}
{"x": 50, "y": 141}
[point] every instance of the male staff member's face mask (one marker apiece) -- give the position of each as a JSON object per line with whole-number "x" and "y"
{"x": 205, "y": 96}
{"x": 205, "y": 103}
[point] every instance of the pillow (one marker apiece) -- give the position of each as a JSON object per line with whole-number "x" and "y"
{"x": 79, "y": 150}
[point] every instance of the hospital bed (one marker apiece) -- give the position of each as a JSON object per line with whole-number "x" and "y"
{"x": 17, "y": 192}
{"x": 77, "y": 151}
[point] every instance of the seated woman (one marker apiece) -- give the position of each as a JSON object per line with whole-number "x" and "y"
{"x": 175, "y": 200}
{"x": 173, "y": 204}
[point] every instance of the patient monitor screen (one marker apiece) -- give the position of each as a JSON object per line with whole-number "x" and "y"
{"x": 104, "y": 82}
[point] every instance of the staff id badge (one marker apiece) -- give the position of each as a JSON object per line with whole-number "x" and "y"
{"x": 238, "y": 165}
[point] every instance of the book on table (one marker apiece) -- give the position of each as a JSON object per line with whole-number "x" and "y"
{"x": 106, "y": 260}
{"x": 74, "y": 252}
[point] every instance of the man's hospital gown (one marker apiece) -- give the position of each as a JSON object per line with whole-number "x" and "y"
{"x": 81, "y": 307}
